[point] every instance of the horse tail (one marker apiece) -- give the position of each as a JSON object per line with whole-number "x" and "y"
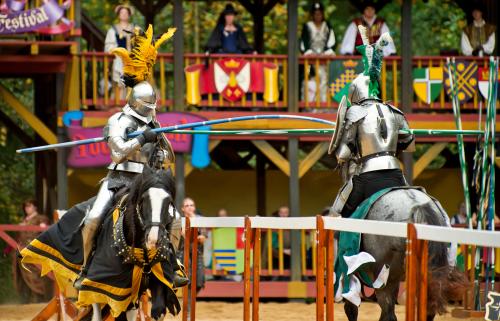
{"x": 445, "y": 282}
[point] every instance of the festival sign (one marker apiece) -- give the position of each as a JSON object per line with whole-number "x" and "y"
{"x": 232, "y": 78}
{"x": 427, "y": 83}
{"x": 466, "y": 80}
{"x": 43, "y": 19}
{"x": 97, "y": 154}
{"x": 484, "y": 81}
{"x": 342, "y": 73}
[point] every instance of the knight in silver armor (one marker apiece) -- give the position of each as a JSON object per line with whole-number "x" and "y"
{"x": 367, "y": 140}
{"x": 129, "y": 156}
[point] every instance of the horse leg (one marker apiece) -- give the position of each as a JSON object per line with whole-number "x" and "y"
{"x": 96, "y": 312}
{"x": 351, "y": 310}
{"x": 132, "y": 314}
{"x": 386, "y": 299}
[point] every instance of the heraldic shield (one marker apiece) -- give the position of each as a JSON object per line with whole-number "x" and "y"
{"x": 466, "y": 80}
{"x": 483, "y": 74}
{"x": 427, "y": 83}
{"x": 340, "y": 126}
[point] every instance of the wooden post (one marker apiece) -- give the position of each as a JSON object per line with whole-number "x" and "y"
{"x": 330, "y": 261}
{"x": 256, "y": 274}
{"x": 179, "y": 57}
{"x": 180, "y": 180}
{"x": 294, "y": 203}
{"x": 423, "y": 254}
{"x": 260, "y": 170}
{"x": 406, "y": 77}
{"x": 62, "y": 175}
{"x": 293, "y": 58}
{"x": 411, "y": 263}
{"x": 320, "y": 270}
{"x": 185, "y": 290}
{"x": 246, "y": 272}
{"x": 194, "y": 268}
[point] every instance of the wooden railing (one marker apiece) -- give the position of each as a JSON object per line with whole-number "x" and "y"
{"x": 96, "y": 73}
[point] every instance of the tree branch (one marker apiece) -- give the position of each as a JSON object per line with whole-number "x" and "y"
{"x": 160, "y": 4}
{"x": 249, "y": 6}
{"x": 269, "y": 5}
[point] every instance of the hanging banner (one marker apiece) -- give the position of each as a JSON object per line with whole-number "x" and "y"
{"x": 342, "y": 73}
{"x": 43, "y": 19}
{"x": 232, "y": 78}
{"x": 97, "y": 154}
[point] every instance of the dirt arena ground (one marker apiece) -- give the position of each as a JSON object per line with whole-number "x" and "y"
{"x": 223, "y": 311}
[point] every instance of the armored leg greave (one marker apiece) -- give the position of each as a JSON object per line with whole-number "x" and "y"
{"x": 94, "y": 218}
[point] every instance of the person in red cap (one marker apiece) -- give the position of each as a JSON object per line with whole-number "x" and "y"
{"x": 375, "y": 26}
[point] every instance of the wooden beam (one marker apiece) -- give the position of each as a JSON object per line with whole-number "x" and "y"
{"x": 273, "y": 155}
{"x": 18, "y": 132}
{"x": 188, "y": 168}
{"x": 427, "y": 158}
{"x": 318, "y": 151}
{"x": 35, "y": 123}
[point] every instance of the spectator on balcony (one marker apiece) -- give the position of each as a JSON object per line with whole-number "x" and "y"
{"x": 317, "y": 38}
{"x": 228, "y": 36}
{"x": 30, "y": 286}
{"x": 189, "y": 210}
{"x": 375, "y": 26}
{"x": 119, "y": 36}
{"x": 478, "y": 38}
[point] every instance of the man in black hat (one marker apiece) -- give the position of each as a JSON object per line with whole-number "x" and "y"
{"x": 478, "y": 38}
{"x": 228, "y": 36}
{"x": 375, "y": 26}
{"x": 317, "y": 38}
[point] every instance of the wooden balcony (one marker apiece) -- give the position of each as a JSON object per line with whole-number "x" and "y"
{"x": 96, "y": 72}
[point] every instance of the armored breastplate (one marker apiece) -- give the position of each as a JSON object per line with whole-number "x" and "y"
{"x": 129, "y": 158}
{"x": 377, "y": 143}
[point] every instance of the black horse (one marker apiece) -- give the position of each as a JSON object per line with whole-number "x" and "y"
{"x": 132, "y": 253}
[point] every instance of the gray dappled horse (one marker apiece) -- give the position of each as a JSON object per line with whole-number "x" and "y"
{"x": 414, "y": 206}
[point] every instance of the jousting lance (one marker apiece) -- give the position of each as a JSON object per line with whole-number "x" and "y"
{"x": 184, "y": 129}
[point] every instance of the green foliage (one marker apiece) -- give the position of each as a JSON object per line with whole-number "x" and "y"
{"x": 16, "y": 179}
{"x": 436, "y": 24}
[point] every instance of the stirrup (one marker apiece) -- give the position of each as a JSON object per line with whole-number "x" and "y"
{"x": 78, "y": 282}
{"x": 180, "y": 281}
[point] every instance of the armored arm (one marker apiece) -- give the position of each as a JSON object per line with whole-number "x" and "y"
{"x": 347, "y": 146}
{"x": 404, "y": 140}
{"x": 119, "y": 125}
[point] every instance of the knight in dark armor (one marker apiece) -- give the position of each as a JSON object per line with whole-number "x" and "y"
{"x": 367, "y": 137}
{"x": 375, "y": 27}
{"x": 478, "y": 38}
{"x": 130, "y": 155}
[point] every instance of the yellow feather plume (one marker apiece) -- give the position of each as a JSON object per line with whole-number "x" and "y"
{"x": 167, "y": 35}
{"x": 138, "y": 63}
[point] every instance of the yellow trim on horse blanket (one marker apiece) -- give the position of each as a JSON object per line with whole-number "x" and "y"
{"x": 108, "y": 280}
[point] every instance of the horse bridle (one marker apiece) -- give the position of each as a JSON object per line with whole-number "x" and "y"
{"x": 128, "y": 252}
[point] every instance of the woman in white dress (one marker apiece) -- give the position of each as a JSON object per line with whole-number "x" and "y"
{"x": 119, "y": 35}
{"x": 317, "y": 38}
